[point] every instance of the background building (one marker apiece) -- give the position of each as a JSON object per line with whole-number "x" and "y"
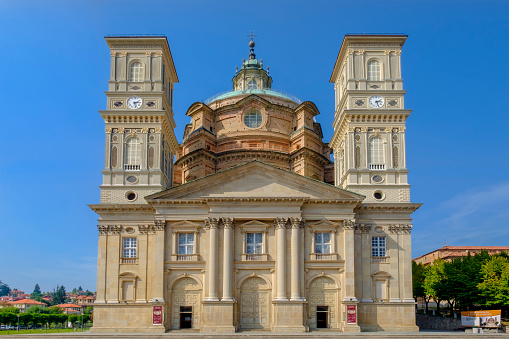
{"x": 452, "y": 252}
{"x": 248, "y": 224}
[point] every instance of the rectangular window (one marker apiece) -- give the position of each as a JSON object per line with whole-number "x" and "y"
{"x": 322, "y": 242}
{"x": 129, "y": 248}
{"x": 378, "y": 247}
{"x": 254, "y": 243}
{"x": 186, "y": 243}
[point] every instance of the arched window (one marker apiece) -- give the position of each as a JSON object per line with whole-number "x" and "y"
{"x": 136, "y": 72}
{"x": 374, "y": 70}
{"x": 376, "y": 154}
{"x": 132, "y": 155}
{"x": 252, "y": 85}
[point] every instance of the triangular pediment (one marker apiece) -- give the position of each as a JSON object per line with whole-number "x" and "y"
{"x": 256, "y": 180}
{"x": 323, "y": 223}
{"x": 254, "y": 223}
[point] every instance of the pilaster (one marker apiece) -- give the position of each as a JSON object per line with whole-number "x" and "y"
{"x": 280, "y": 225}
{"x": 228, "y": 248}
{"x": 158, "y": 280}
{"x": 366, "y": 262}
{"x": 296, "y": 268}
{"x": 212, "y": 226}
{"x": 349, "y": 245}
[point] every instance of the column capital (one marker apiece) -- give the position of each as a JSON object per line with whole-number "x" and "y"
{"x": 407, "y": 229}
{"x": 365, "y": 228}
{"x": 211, "y": 222}
{"x": 159, "y": 225}
{"x": 115, "y": 229}
{"x": 228, "y": 222}
{"x": 348, "y": 224}
{"x": 280, "y": 223}
{"x": 103, "y": 230}
{"x": 296, "y": 222}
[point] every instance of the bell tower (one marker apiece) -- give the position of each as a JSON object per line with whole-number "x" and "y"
{"x": 369, "y": 118}
{"x": 140, "y": 139}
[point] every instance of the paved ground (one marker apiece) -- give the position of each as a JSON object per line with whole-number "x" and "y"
{"x": 265, "y": 334}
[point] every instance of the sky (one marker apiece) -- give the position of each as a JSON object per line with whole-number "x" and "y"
{"x": 54, "y": 66}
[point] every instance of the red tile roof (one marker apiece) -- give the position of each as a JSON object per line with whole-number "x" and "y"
{"x": 27, "y": 301}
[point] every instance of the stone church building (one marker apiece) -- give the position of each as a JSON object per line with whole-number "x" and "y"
{"x": 253, "y": 222}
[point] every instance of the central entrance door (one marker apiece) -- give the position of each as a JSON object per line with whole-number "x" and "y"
{"x": 322, "y": 316}
{"x": 186, "y": 316}
{"x": 254, "y": 301}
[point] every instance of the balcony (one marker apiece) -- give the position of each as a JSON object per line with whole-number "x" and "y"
{"x": 128, "y": 261}
{"x": 324, "y": 256}
{"x": 132, "y": 168}
{"x": 377, "y": 167}
{"x": 379, "y": 260}
{"x": 255, "y": 257}
{"x": 184, "y": 257}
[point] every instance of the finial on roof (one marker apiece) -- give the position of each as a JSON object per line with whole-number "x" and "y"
{"x": 252, "y": 35}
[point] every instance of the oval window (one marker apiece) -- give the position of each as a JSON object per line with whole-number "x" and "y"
{"x": 253, "y": 119}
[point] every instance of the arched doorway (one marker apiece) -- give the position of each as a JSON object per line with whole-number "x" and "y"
{"x": 254, "y": 304}
{"x": 185, "y": 304}
{"x": 323, "y": 303}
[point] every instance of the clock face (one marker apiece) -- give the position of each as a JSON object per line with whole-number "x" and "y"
{"x": 376, "y": 101}
{"x": 134, "y": 102}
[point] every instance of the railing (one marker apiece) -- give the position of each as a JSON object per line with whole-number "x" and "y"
{"x": 377, "y": 167}
{"x": 254, "y": 257}
{"x": 185, "y": 257}
{"x": 379, "y": 259}
{"x": 132, "y": 168}
{"x": 131, "y": 261}
{"x": 324, "y": 257}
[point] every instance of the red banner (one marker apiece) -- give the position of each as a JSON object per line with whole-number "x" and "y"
{"x": 351, "y": 314}
{"x": 157, "y": 315}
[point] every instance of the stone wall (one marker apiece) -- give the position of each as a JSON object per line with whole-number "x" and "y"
{"x": 431, "y": 322}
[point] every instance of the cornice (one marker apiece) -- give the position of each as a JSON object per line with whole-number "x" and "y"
{"x": 120, "y": 207}
{"x": 389, "y": 206}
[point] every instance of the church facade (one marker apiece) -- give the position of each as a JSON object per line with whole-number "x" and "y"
{"x": 248, "y": 224}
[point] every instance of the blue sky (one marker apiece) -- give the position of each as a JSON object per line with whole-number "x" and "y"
{"x": 54, "y": 64}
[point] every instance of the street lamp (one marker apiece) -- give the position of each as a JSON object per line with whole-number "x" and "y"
{"x": 18, "y": 322}
{"x": 82, "y": 319}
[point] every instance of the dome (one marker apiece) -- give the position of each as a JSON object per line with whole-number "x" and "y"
{"x": 269, "y": 92}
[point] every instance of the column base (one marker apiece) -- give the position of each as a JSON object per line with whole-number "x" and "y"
{"x": 289, "y": 316}
{"x": 210, "y": 299}
{"x": 230, "y": 299}
{"x": 301, "y": 299}
{"x": 351, "y": 328}
{"x": 394, "y": 300}
{"x": 366, "y": 300}
{"x": 218, "y": 317}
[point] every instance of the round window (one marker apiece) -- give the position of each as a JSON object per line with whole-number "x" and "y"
{"x": 377, "y": 178}
{"x": 131, "y": 196}
{"x": 253, "y": 119}
{"x": 378, "y": 195}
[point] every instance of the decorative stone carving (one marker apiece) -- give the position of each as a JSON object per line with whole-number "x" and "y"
{"x": 144, "y": 229}
{"x": 357, "y": 157}
{"x": 296, "y": 222}
{"x": 108, "y": 129}
{"x": 365, "y": 228}
{"x": 348, "y": 224}
{"x": 280, "y": 223}
{"x": 228, "y": 222}
{"x": 112, "y": 53}
{"x": 159, "y": 225}
{"x": 151, "y": 152}
{"x": 114, "y": 156}
{"x": 148, "y": 53}
{"x": 211, "y": 222}
{"x": 103, "y": 230}
{"x": 123, "y": 53}
{"x": 159, "y": 53}
{"x": 395, "y": 156}
{"x": 115, "y": 229}
{"x": 407, "y": 229}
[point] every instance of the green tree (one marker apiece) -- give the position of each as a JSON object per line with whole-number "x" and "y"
{"x": 418, "y": 271}
{"x": 36, "y": 294}
{"x": 9, "y": 309}
{"x": 495, "y": 281}
{"x": 26, "y": 318}
{"x": 88, "y": 310}
{"x": 4, "y": 289}
{"x": 54, "y": 310}
{"x": 59, "y": 295}
{"x": 80, "y": 289}
{"x": 73, "y": 318}
{"x": 36, "y": 309}
{"x": 88, "y": 293}
{"x": 433, "y": 281}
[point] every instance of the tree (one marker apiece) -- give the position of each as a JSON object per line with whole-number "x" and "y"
{"x": 495, "y": 281}
{"x": 418, "y": 271}
{"x": 36, "y": 294}
{"x": 59, "y": 295}
{"x": 54, "y": 310}
{"x": 433, "y": 281}
{"x": 4, "y": 289}
{"x": 88, "y": 293}
{"x": 36, "y": 309}
{"x": 9, "y": 309}
{"x": 80, "y": 289}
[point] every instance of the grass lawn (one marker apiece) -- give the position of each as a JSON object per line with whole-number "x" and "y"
{"x": 43, "y": 331}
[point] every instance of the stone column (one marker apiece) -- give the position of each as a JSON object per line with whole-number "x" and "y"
{"x": 102, "y": 264}
{"x": 366, "y": 262}
{"x": 158, "y": 255}
{"x": 295, "y": 262}
{"x": 280, "y": 225}
{"x": 406, "y": 269}
{"x": 349, "y": 227}
{"x": 228, "y": 260}
{"x": 392, "y": 242}
{"x": 212, "y": 224}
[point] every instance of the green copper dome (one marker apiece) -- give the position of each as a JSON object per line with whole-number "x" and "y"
{"x": 270, "y": 92}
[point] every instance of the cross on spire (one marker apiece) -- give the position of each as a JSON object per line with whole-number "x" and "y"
{"x": 251, "y": 35}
